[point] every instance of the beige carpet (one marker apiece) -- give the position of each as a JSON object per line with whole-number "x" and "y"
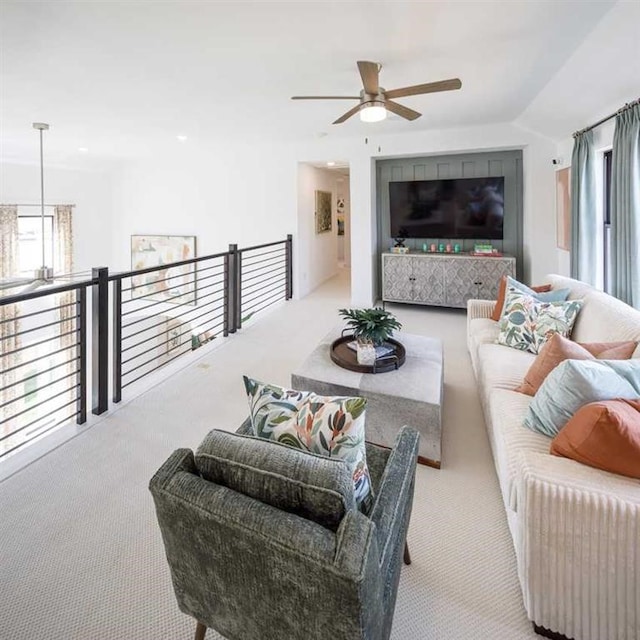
{"x": 80, "y": 551}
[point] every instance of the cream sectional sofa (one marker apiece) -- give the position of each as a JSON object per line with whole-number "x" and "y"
{"x": 575, "y": 529}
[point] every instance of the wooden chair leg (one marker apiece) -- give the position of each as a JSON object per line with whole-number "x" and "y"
{"x": 407, "y": 557}
{"x": 201, "y": 630}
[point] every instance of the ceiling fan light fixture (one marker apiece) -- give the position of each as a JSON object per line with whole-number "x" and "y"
{"x": 373, "y": 112}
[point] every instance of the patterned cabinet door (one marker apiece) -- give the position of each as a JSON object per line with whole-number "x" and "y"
{"x": 461, "y": 278}
{"x": 396, "y": 278}
{"x": 490, "y": 271}
{"x": 428, "y": 283}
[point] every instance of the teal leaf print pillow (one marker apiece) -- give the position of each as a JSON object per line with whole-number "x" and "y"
{"x": 331, "y": 426}
{"x": 527, "y": 323}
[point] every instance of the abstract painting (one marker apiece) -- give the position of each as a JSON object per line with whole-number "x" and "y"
{"x": 323, "y": 211}
{"x": 169, "y": 283}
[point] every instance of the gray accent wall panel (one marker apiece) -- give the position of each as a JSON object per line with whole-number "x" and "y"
{"x": 467, "y": 165}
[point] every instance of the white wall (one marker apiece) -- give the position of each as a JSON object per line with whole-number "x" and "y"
{"x": 344, "y": 242}
{"x": 90, "y": 191}
{"x": 320, "y": 250}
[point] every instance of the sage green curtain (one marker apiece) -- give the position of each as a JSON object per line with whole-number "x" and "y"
{"x": 625, "y": 207}
{"x": 584, "y": 214}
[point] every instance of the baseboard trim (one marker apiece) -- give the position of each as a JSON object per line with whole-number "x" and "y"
{"x": 547, "y": 633}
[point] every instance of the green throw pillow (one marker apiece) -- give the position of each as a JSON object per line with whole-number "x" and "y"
{"x": 325, "y": 425}
{"x": 527, "y": 323}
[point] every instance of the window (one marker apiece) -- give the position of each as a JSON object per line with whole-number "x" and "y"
{"x": 606, "y": 219}
{"x": 30, "y": 241}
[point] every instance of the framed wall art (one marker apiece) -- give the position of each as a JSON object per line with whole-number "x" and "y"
{"x": 563, "y": 209}
{"x": 323, "y": 211}
{"x": 167, "y": 284}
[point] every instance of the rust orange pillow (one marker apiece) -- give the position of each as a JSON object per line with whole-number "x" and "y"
{"x": 604, "y": 435}
{"x": 502, "y": 292}
{"x": 558, "y": 348}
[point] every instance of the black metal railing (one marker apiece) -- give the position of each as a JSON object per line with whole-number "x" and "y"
{"x": 158, "y": 315}
{"x": 43, "y": 362}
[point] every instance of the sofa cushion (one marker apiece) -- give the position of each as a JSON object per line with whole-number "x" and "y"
{"x": 527, "y": 324}
{"x": 502, "y": 292}
{"x": 311, "y": 486}
{"x": 574, "y": 383}
{"x": 604, "y": 435}
{"x": 558, "y": 348}
{"x": 332, "y": 426}
{"x": 501, "y": 367}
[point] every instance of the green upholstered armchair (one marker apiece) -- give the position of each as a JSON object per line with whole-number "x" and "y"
{"x": 265, "y": 542}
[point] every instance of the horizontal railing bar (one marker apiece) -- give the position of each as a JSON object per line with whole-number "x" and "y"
{"x": 152, "y": 370}
{"x": 219, "y": 325}
{"x": 197, "y": 272}
{"x": 39, "y": 404}
{"x": 35, "y": 344}
{"x": 262, "y": 292}
{"x": 269, "y": 273}
{"x": 174, "y": 306}
{"x": 255, "y": 310}
{"x": 137, "y": 272}
{"x": 248, "y": 259}
{"x": 37, "y": 313}
{"x": 49, "y": 384}
{"x": 40, "y": 433}
{"x": 148, "y": 295}
{"x": 30, "y": 424}
{"x": 28, "y": 362}
{"x": 156, "y": 337}
{"x": 35, "y": 375}
{"x": 262, "y": 246}
{"x": 279, "y": 260}
{"x": 142, "y": 364}
{"x": 42, "y": 326}
{"x": 23, "y": 297}
{"x": 154, "y": 304}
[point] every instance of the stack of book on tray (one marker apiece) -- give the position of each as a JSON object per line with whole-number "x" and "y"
{"x": 383, "y": 350}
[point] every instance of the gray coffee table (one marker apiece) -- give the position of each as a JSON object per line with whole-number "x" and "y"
{"x": 412, "y": 395}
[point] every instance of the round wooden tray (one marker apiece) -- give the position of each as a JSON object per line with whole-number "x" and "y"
{"x": 346, "y": 358}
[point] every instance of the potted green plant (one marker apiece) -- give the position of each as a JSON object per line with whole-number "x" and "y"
{"x": 371, "y": 327}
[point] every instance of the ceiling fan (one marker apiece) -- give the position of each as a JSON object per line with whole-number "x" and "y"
{"x": 375, "y": 101}
{"x": 43, "y": 275}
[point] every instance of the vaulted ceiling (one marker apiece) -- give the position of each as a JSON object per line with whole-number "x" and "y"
{"x": 122, "y": 78}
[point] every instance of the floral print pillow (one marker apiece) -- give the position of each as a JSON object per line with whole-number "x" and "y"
{"x": 325, "y": 425}
{"x": 527, "y": 323}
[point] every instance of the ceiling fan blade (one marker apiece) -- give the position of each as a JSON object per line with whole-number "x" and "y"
{"x": 369, "y": 73}
{"x": 325, "y": 97}
{"x": 429, "y": 87}
{"x": 346, "y": 116}
{"x": 400, "y": 110}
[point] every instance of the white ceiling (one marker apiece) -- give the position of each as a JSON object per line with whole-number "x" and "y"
{"x": 124, "y": 78}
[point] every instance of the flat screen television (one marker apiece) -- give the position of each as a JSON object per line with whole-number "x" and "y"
{"x": 462, "y": 208}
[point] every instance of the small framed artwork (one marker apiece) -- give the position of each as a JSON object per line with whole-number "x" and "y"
{"x": 323, "y": 211}
{"x": 563, "y": 209}
{"x": 174, "y": 284}
{"x": 340, "y": 221}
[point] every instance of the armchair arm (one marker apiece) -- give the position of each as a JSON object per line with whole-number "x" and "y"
{"x": 392, "y": 507}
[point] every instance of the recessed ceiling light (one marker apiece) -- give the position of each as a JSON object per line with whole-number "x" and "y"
{"x": 83, "y": 149}
{"x": 331, "y": 163}
{"x": 182, "y": 138}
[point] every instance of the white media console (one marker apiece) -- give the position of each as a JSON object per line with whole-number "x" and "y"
{"x": 442, "y": 279}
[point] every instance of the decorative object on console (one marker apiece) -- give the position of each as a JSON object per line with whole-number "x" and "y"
{"x": 482, "y": 248}
{"x": 370, "y": 327}
{"x": 531, "y": 291}
{"x": 574, "y": 383}
{"x": 604, "y": 435}
{"x": 526, "y": 324}
{"x": 323, "y": 211}
{"x": 170, "y": 284}
{"x": 399, "y": 246}
{"x": 558, "y": 349}
{"x": 331, "y": 426}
